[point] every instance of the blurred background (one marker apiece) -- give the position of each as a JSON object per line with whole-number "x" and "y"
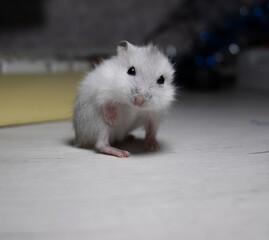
{"x": 47, "y": 45}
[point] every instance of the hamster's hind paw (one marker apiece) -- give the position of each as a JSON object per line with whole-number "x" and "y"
{"x": 110, "y": 114}
{"x": 113, "y": 151}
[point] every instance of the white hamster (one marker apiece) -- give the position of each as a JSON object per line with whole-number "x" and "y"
{"x": 131, "y": 89}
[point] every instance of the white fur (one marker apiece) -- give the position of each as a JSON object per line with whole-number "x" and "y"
{"x": 110, "y": 82}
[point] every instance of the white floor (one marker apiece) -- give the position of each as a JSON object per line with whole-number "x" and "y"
{"x": 209, "y": 181}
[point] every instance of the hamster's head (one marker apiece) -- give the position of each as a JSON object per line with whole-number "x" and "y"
{"x": 146, "y": 75}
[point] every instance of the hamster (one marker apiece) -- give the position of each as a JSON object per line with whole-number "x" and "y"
{"x": 131, "y": 89}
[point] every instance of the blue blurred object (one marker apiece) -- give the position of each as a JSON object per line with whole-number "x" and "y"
{"x": 204, "y": 35}
{"x": 199, "y": 60}
{"x": 257, "y": 11}
{"x": 209, "y": 61}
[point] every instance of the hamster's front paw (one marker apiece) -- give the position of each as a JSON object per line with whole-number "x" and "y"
{"x": 151, "y": 144}
{"x": 110, "y": 113}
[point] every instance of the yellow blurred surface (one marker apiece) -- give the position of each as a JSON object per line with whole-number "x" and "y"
{"x": 29, "y": 98}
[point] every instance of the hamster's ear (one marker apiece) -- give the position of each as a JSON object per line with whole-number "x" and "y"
{"x": 123, "y": 46}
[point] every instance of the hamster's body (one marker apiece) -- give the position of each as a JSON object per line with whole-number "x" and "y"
{"x": 132, "y": 89}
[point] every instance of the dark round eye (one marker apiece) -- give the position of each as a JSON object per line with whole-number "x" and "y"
{"x": 131, "y": 71}
{"x": 160, "y": 80}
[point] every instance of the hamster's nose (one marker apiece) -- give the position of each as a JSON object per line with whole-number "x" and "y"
{"x": 139, "y": 100}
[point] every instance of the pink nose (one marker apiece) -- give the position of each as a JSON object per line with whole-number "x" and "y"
{"x": 138, "y": 101}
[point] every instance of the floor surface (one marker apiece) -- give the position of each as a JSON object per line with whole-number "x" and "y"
{"x": 210, "y": 179}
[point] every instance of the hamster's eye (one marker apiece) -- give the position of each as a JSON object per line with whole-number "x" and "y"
{"x": 131, "y": 71}
{"x": 160, "y": 80}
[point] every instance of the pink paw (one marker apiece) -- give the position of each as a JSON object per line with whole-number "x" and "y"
{"x": 107, "y": 149}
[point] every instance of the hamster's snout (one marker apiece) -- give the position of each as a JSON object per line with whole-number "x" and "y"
{"x": 138, "y": 100}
